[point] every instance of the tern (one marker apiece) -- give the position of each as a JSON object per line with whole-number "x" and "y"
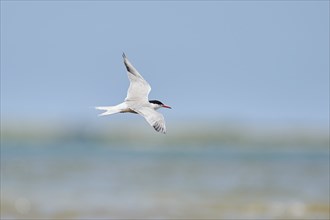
{"x": 137, "y": 100}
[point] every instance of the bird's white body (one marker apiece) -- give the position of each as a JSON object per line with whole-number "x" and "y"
{"x": 137, "y": 101}
{"x": 122, "y": 108}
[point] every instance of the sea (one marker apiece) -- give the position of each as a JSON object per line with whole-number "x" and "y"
{"x": 79, "y": 179}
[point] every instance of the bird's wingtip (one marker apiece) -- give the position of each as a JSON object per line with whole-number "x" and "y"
{"x": 124, "y": 55}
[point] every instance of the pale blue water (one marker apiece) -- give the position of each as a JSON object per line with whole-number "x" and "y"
{"x": 75, "y": 179}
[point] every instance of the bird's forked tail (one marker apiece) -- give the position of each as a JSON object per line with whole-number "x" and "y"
{"x": 109, "y": 110}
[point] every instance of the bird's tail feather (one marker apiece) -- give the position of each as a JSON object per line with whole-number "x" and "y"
{"x": 109, "y": 110}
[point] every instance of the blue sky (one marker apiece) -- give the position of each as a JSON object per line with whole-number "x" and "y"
{"x": 241, "y": 60}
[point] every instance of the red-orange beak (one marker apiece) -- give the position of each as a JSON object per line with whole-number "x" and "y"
{"x": 166, "y": 106}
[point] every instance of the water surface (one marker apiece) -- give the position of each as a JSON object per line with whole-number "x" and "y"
{"x": 76, "y": 179}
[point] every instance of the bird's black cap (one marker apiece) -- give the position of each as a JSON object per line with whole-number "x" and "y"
{"x": 156, "y": 102}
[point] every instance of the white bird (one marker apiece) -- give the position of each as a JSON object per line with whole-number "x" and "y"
{"x": 137, "y": 100}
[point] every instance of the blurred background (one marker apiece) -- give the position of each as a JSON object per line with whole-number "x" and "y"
{"x": 248, "y": 135}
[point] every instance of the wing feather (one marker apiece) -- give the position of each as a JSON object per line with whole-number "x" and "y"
{"x": 154, "y": 118}
{"x": 139, "y": 88}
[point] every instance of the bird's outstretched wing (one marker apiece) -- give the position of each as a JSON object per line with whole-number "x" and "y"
{"x": 139, "y": 88}
{"x": 154, "y": 118}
